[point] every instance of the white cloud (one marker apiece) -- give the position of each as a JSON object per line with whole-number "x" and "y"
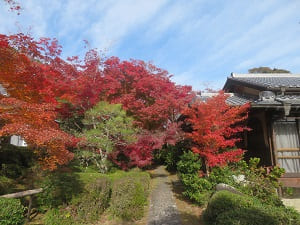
{"x": 121, "y": 18}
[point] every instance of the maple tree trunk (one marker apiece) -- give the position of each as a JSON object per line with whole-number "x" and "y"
{"x": 207, "y": 168}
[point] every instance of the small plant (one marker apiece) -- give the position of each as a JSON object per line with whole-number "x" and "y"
{"x": 58, "y": 217}
{"x": 11, "y": 212}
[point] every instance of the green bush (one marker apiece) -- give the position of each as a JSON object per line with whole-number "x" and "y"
{"x": 222, "y": 175}
{"x": 84, "y": 208}
{"x": 196, "y": 188}
{"x": 189, "y": 163}
{"x": 226, "y": 208}
{"x": 129, "y": 196}
{"x": 91, "y": 204}
{"x": 11, "y": 212}
{"x": 58, "y": 188}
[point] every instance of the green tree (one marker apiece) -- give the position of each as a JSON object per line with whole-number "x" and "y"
{"x": 107, "y": 127}
{"x": 264, "y": 69}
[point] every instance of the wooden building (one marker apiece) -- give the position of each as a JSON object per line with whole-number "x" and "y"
{"x": 274, "y": 118}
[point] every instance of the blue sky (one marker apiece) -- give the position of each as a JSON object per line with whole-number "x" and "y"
{"x": 200, "y": 42}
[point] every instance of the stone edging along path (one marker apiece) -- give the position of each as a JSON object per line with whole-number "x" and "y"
{"x": 163, "y": 209}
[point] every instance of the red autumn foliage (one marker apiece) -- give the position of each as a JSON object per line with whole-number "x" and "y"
{"x": 215, "y": 128}
{"x": 32, "y": 72}
{"x": 36, "y": 124}
{"x": 145, "y": 91}
{"x": 29, "y": 108}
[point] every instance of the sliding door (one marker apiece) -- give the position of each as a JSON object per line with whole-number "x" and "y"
{"x": 287, "y": 152}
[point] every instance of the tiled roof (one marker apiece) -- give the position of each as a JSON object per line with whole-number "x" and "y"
{"x": 237, "y": 100}
{"x": 279, "y": 100}
{"x": 268, "y": 81}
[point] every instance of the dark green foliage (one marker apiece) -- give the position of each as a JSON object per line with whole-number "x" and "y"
{"x": 170, "y": 154}
{"x": 11, "y": 170}
{"x": 5, "y": 185}
{"x": 226, "y": 208}
{"x": 59, "y": 188}
{"x": 14, "y": 161}
{"x": 11, "y": 212}
{"x": 129, "y": 196}
{"x": 106, "y": 127}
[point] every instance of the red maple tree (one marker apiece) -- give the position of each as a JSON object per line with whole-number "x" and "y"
{"x": 215, "y": 128}
{"x": 28, "y": 110}
{"x": 36, "y": 124}
{"x": 33, "y": 72}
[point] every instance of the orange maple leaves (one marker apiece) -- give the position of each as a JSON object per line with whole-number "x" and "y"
{"x": 215, "y": 127}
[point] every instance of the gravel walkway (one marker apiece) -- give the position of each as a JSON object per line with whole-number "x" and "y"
{"x": 163, "y": 209}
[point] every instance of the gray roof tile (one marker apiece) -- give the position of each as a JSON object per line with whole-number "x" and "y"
{"x": 269, "y": 81}
{"x": 237, "y": 100}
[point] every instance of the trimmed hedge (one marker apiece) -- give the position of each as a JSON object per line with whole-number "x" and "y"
{"x": 226, "y": 208}
{"x": 90, "y": 205}
{"x": 124, "y": 193}
{"x": 129, "y": 196}
{"x": 11, "y": 212}
{"x": 86, "y": 207}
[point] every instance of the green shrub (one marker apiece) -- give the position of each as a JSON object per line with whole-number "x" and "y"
{"x": 91, "y": 204}
{"x": 189, "y": 163}
{"x": 59, "y": 188}
{"x": 11, "y": 212}
{"x": 226, "y": 208}
{"x": 129, "y": 196}
{"x": 84, "y": 208}
{"x": 172, "y": 154}
{"x": 222, "y": 175}
{"x": 196, "y": 188}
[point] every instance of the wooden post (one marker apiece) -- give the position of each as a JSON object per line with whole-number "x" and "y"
{"x": 29, "y": 208}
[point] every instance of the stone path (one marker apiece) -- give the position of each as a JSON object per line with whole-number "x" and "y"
{"x": 163, "y": 209}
